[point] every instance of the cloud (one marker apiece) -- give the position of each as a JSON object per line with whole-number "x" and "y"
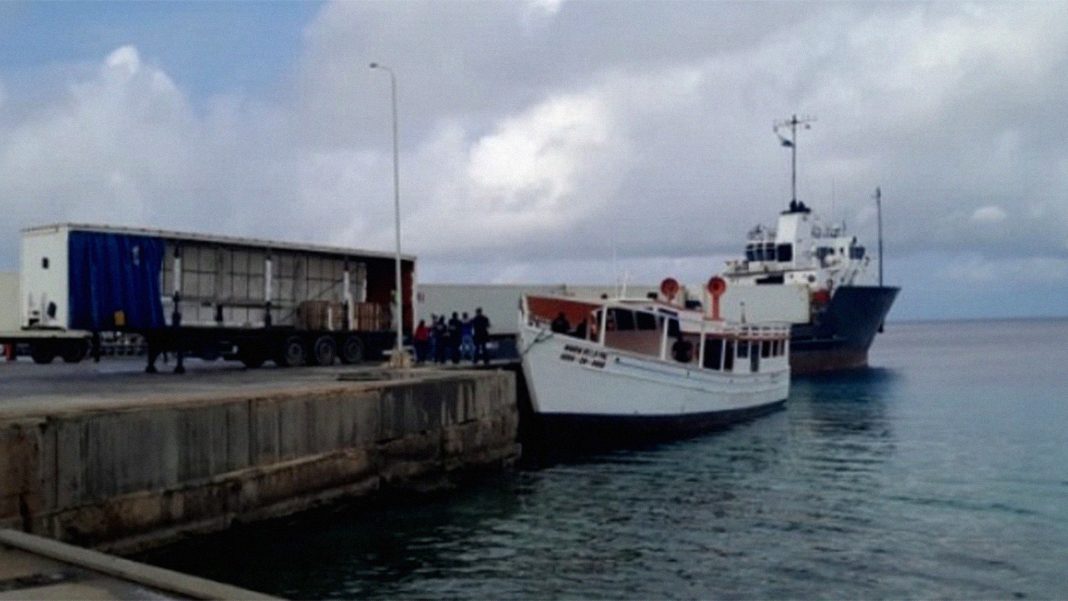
{"x": 989, "y": 215}
{"x": 545, "y": 136}
{"x": 124, "y": 145}
{"x": 978, "y": 269}
{"x": 546, "y": 8}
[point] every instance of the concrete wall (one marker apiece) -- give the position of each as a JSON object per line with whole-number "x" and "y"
{"x": 9, "y": 302}
{"x": 129, "y": 478}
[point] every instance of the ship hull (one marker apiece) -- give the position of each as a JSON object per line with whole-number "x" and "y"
{"x": 840, "y": 337}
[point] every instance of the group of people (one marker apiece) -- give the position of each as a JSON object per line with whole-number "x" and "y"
{"x": 561, "y": 325}
{"x": 458, "y": 338}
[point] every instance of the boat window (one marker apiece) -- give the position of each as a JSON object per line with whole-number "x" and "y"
{"x": 713, "y": 353}
{"x": 856, "y": 253}
{"x": 673, "y": 327}
{"x": 765, "y": 348}
{"x": 769, "y": 251}
{"x": 750, "y": 254}
{"x": 786, "y": 252}
{"x": 728, "y": 356}
{"x": 743, "y": 349}
{"x": 623, "y": 319}
{"x": 645, "y": 321}
{"x": 754, "y": 362}
{"x": 44, "y": 262}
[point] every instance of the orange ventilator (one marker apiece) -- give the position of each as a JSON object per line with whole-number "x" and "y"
{"x": 821, "y": 297}
{"x": 669, "y": 288}
{"x": 716, "y": 287}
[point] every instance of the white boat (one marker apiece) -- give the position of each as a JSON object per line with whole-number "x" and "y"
{"x": 633, "y": 370}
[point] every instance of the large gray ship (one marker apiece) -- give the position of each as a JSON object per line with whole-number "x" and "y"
{"x": 838, "y": 302}
{"x": 836, "y": 313}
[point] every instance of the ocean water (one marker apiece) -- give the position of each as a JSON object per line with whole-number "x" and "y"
{"x": 942, "y": 471}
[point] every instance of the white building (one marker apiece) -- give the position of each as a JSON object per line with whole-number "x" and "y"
{"x": 9, "y": 301}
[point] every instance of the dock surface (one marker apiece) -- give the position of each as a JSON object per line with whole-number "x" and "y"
{"x": 28, "y": 389}
{"x": 32, "y": 567}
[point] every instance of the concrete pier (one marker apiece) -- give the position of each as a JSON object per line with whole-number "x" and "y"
{"x": 130, "y": 462}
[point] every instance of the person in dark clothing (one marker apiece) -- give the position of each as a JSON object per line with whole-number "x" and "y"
{"x": 580, "y": 330}
{"x": 455, "y": 331}
{"x": 481, "y": 325}
{"x": 441, "y": 339}
{"x": 467, "y": 338}
{"x": 431, "y": 346}
{"x": 560, "y": 325}
{"x": 682, "y": 350}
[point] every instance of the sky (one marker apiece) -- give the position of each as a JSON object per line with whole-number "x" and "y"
{"x": 557, "y": 140}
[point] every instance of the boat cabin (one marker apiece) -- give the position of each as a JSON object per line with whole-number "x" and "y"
{"x": 662, "y": 331}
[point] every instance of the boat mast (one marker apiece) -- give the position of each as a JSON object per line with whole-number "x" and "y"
{"x": 791, "y": 143}
{"x": 879, "y": 220}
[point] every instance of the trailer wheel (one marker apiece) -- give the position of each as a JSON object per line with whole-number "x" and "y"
{"x": 74, "y": 351}
{"x": 351, "y": 350}
{"x": 42, "y": 354}
{"x": 292, "y": 353}
{"x": 324, "y": 351}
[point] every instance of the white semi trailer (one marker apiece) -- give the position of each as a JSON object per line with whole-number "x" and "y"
{"x": 204, "y": 295}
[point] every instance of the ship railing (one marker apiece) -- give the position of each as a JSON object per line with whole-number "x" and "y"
{"x": 761, "y": 331}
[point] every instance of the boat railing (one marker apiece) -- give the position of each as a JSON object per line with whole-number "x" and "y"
{"x": 691, "y": 321}
{"x": 762, "y": 331}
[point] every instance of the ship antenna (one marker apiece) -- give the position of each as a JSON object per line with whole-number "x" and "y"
{"x": 879, "y": 220}
{"x": 791, "y": 143}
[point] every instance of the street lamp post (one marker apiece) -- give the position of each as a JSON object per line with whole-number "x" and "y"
{"x": 398, "y": 359}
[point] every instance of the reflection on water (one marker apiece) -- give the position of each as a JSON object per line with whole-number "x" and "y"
{"x": 901, "y": 482}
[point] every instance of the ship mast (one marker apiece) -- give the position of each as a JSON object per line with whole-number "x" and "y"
{"x": 791, "y": 143}
{"x": 879, "y": 218}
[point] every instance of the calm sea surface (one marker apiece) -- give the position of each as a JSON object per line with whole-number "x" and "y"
{"x": 942, "y": 471}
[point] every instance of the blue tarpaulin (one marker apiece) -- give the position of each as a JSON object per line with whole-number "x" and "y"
{"x": 115, "y": 281}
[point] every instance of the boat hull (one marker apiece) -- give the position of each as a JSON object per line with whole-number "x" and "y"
{"x": 840, "y": 337}
{"x": 585, "y": 397}
{"x": 568, "y": 432}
